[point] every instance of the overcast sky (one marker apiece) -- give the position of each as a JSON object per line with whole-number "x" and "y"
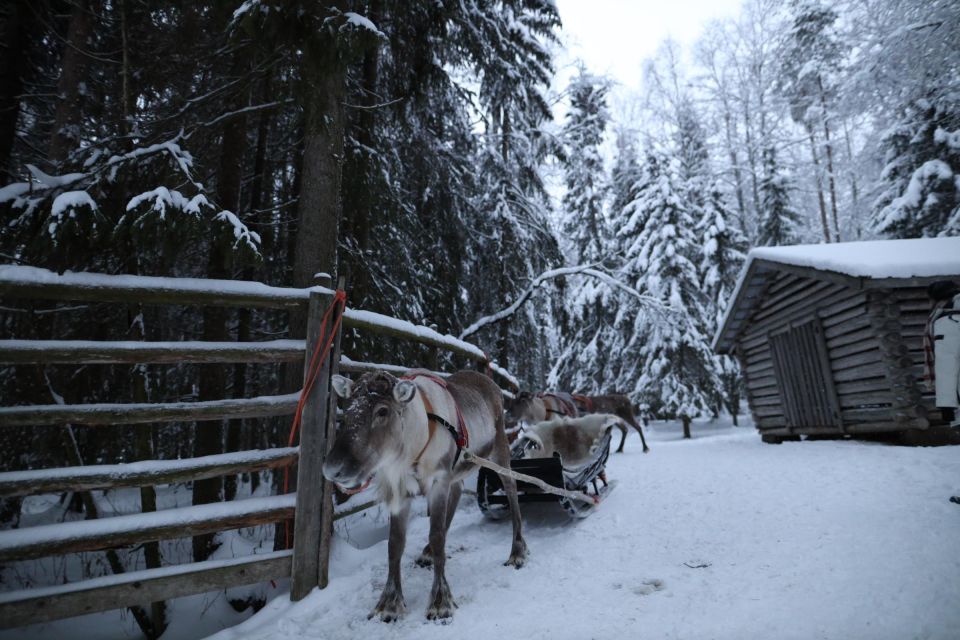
{"x": 613, "y": 37}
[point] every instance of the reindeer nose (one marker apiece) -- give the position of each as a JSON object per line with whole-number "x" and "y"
{"x": 332, "y": 471}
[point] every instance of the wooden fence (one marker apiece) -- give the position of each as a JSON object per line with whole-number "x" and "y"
{"x": 310, "y": 507}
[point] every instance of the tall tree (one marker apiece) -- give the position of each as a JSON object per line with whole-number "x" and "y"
{"x": 678, "y": 375}
{"x": 779, "y": 223}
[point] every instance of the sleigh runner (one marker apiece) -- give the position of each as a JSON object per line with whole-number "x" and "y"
{"x": 567, "y": 453}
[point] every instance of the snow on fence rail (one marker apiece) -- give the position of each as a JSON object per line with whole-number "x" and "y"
{"x": 32, "y": 282}
{"x": 140, "y": 413}
{"x": 137, "y": 474}
{"x": 29, "y": 606}
{"x": 90, "y": 535}
{"x": 304, "y": 565}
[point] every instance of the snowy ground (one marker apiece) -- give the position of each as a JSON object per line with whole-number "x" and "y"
{"x": 719, "y": 537}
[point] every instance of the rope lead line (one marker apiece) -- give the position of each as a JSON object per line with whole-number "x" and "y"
{"x": 320, "y": 354}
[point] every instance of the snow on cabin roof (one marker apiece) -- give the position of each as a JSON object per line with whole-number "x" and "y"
{"x": 919, "y": 258}
{"x": 875, "y": 260}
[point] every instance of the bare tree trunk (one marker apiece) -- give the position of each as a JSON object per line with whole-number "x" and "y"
{"x": 13, "y": 52}
{"x": 686, "y": 426}
{"x": 854, "y": 190}
{"x": 73, "y": 68}
{"x": 831, "y": 180}
{"x": 143, "y": 447}
{"x": 359, "y": 209}
{"x": 816, "y": 172}
{"x": 209, "y": 436}
{"x": 751, "y": 158}
{"x": 75, "y": 459}
{"x": 737, "y": 173}
{"x": 319, "y": 208}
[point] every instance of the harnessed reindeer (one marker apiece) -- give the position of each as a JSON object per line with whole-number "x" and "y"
{"x": 617, "y": 404}
{"x": 395, "y": 435}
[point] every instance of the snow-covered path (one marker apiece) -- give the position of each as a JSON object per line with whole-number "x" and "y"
{"x": 718, "y": 537}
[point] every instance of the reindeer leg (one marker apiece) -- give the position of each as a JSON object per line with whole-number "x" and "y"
{"x": 633, "y": 423}
{"x": 623, "y": 436}
{"x": 441, "y": 600}
{"x": 391, "y": 605}
{"x": 425, "y": 559}
{"x": 501, "y": 455}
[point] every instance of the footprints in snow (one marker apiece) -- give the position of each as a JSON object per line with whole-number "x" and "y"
{"x": 645, "y": 588}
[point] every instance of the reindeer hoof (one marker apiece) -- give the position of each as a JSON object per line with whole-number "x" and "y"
{"x": 518, "y": 556}
{"x": 390, "y": 607}
{"x": 442, "y": 604}
{"x": 646, "y": 449}
{"x": 424, "y": 560}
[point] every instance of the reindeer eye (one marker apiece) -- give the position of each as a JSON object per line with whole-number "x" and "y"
{"x": 381, "y": 412}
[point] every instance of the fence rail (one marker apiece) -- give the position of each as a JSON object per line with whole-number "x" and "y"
{"x": 31, "y": 606}
{"x": 312, "y": 525}
{"x": 138, "y": 474}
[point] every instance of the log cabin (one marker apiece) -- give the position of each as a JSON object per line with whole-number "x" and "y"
{"x": 829, "y": 338}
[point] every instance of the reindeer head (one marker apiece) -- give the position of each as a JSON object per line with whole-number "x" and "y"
{"x": 371, "y": 433}
{"x": 522, "y": 410}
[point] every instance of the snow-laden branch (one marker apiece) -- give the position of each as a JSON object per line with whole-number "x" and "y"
{"x": 580, "y": 270}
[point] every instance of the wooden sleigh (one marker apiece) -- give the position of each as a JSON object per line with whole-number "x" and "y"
{"x": 568, "y": 453}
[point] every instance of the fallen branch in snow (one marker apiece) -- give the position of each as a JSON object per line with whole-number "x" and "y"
{"x": 581, "y": 270}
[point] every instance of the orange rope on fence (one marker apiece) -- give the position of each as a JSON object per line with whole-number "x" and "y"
{"x": 320, "y": 354}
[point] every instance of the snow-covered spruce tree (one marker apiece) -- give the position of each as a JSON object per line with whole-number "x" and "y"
{"x": 693, "y": 160}
{"x": 625, "y": 175}
{"x": 628, "y": 220}
{"x": 584, "y": 339}
{"x": 583, "y": 203}
{"x": 511, "y": 241}
{"x": 779, "y": 220}
{"x": 677, "y": 375}
{"x": 921, "y": 178}
{"x": 722, "y": 256}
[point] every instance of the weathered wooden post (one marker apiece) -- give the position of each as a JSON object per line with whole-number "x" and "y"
{"x": 326, "y": 504}
{"x": 313, "y": 448}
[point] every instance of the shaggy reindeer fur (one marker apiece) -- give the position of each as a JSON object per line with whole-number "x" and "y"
{"x": 575, "y": 439}
{"x": 386, "y": 436}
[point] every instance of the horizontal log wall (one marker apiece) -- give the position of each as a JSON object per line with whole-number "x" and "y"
{"x": 859, "y": 373}
{"x": 915, "y": 307}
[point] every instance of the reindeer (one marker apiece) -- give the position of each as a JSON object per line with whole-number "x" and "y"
{"x": 395, "y": 434}
{"x": 617, "y": 404}
{"x": 528, "y": 408}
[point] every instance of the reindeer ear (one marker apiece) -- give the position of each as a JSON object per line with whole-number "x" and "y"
{"x": 403, "y": 391}
{"x": 343, "y": 387}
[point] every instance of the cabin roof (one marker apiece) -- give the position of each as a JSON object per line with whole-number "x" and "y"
{"x": 858, "y": 265}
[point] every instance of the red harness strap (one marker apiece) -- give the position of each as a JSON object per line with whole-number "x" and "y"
{"x": 565, "y": 408}
{"x": 460, "y": 434}
{"x": 586, "y": 401}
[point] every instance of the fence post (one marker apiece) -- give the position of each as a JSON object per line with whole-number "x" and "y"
{"x": 326, "y": 505}
{"x": 313, "y": 447}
